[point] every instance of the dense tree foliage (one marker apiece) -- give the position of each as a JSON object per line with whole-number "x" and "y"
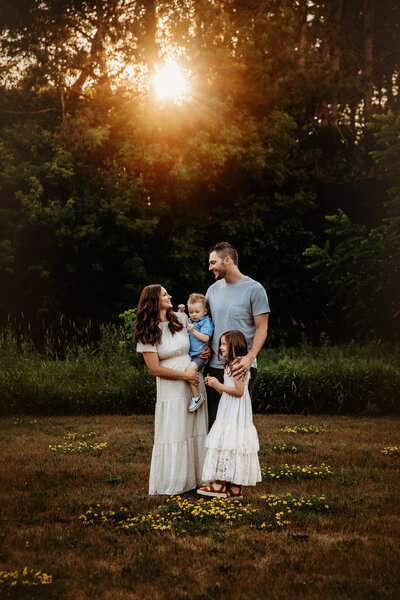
{"x": 363, "y": 269}
{"x": 105, "y": 188}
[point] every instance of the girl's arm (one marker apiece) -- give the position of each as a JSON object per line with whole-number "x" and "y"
{"x": 236, "y": 391}
{"x": 153, "y": 363}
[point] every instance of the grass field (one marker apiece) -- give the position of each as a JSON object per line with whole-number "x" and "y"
{"x": 346, "y": 547}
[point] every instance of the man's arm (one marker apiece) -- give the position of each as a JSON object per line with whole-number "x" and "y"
{"x": 243, "y": 364}
{"x": 206, "y": 354}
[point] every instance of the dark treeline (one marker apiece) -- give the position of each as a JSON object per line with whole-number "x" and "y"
{"x": 288, "y": 146}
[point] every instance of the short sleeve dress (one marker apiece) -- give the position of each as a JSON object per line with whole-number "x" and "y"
{"x": 179, "y": 435}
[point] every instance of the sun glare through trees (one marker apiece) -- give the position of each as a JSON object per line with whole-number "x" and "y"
{"x": 170, "y": 81}
{"x": 133, "y": 132}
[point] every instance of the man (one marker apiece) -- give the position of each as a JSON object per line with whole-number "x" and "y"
{"x": 236, "y": 302}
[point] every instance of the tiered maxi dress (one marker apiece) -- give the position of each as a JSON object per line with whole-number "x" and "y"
{"x": 232, "y": 444}
{"x": 179, "y": 436}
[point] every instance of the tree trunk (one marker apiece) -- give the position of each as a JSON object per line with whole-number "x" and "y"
{"x": 99, "y": 49}
{"x": 336, "y": 56}
{"x": 303, "y": 11}
{"x": 369, "y": 10}
{"x": 96, "y": 56}
{"x": 150, "y": 32}
{"x": 62, "y": 100}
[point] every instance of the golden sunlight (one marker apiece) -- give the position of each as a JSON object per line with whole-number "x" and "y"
{"x": 170, "y": 81}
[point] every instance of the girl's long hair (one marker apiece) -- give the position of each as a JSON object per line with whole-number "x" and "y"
{"x": 147, "y": 328}
{"x": 237, "y": 346}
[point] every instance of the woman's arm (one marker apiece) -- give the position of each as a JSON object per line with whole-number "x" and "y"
{"x": 236, "y": 391}
{"x": 153, "y": 363}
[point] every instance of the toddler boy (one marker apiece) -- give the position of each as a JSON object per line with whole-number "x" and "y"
{"x": 200, "y": 328}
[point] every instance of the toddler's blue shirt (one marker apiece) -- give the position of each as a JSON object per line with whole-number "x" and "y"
{"x": 204, "y": 325}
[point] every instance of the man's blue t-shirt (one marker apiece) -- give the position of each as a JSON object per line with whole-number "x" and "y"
{"x": 234, "y": 306}
{"x": 204, "y": 325}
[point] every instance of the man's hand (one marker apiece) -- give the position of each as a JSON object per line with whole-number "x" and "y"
{"x": 241, "y": 366}
{"x": 181, "y": 308}
{"x": 206, "y": 354}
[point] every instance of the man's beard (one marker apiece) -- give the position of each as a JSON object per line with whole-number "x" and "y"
{"x": 220, "y": 274}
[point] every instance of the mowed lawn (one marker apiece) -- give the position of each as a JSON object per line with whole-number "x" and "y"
{"x": 348, "y": 550}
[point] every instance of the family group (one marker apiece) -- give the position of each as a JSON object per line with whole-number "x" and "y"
{"x": 205, "y": 440}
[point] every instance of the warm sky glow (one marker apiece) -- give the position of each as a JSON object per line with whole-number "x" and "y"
{"x": 170, "y": 81}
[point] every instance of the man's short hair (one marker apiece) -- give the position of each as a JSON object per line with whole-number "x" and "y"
{"x": 224, "y": 249}
{"x": 194, "y": 298}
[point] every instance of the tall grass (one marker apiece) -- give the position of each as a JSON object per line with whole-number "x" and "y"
{"x": 348, "y": 379}
{"x": 89, "y": 379}
{"x": 104, "y": 376}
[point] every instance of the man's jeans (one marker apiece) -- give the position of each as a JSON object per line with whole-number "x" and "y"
{"x": 213, "y": 396}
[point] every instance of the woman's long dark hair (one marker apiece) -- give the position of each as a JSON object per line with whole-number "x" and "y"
{"x": 147, "y": 328}
{"x": 237, "y": 346}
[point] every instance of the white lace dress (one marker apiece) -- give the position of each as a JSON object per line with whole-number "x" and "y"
{"x": 232, "y": 444}
{"x": 179, "y": 436}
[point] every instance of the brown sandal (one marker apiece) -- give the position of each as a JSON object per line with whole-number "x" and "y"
{"x": 238, "y": 495}
{"x": 213, "y": 491}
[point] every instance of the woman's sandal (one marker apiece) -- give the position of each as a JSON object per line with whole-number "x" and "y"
{"x": 235, "y": 495}
{"x": 215, "y": 490}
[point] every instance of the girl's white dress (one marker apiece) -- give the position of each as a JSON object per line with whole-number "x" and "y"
{"x": 232, "y": 444}
{"x": 179, "y": 436}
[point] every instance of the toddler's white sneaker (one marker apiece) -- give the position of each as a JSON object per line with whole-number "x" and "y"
{"x": 196, "y": 403}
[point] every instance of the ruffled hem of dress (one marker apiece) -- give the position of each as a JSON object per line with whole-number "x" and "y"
{"x": 226, "y": 465}
{"x": 176, "y": 467}
{"x": 177, "y": 400}
{"x": 230, "y": 436}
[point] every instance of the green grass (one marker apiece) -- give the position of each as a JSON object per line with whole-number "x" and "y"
{"x": 326, "y": 538}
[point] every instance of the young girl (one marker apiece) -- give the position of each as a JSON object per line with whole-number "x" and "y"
{"x": 232, "y": 444}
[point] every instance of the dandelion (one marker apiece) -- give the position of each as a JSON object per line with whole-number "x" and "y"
{"x": 304, "y": 429}
{"x": 80, "y": 436}
{"x": 79, "y": 448}
{"x": 27, "y": 578}
{"x": 391, "y": 451}
{"x": 286, "y": 448}
{"x": 176, "y": 514}
{"x": 285, "y": 505}
{"x": 296, "y": 472}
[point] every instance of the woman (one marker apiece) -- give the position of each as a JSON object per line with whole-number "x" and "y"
{"x": 179, "y": 435}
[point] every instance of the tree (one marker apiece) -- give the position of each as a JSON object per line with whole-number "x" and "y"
{"x": 363, "y": 270}
{"x": 104, "y": 188}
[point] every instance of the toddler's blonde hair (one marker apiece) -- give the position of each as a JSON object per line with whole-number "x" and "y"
{"x": 194, "y": 298}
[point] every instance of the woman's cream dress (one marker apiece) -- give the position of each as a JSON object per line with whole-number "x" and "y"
{"x": 179, "y": 436}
